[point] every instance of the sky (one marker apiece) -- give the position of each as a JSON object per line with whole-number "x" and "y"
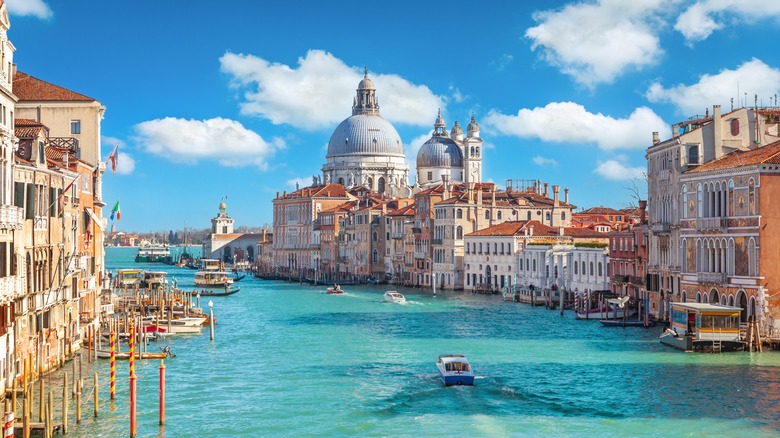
{"x": 236, "y": 100}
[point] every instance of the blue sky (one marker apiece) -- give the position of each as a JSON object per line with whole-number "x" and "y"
{"x": 238, "y": 99}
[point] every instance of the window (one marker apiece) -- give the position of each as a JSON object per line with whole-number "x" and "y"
{"x": 75, "y": 126}
{"x": 460, "y": 213}
{"x": 693, "y": 154}
{"x": 499, "y": 215}
{"x": 487, "y": 214}
{"x": 734, "y": 127}
{"x": 430, "y": 176}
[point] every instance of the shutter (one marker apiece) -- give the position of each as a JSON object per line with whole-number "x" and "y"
{"x": 52, "y": 202}
{"x": 19, "y": 194}
{"x": 29, "y": 211}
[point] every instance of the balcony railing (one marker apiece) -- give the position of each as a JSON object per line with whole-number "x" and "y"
{"x": 661, "y": 227}
{"x": 636, "y": 280}
{"x": 397, "y": 235}
{"x": 11, "y": 217}
{"x": 436, "y": 241}
{"x": 711, "y": 223}
{"x": 712, "y": 277}
{"x": 620, "y": 278}
{"x": 416, "y": 230}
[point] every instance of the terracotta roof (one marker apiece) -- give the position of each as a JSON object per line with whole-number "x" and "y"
{"x": 403, "y": 211}
{"x": 317, "y": 191}
{"x": 31, "y": 89}
{"x": 513, "y": 228}
{"x": 601, "y": 210}
{"x": 769, "y": 154}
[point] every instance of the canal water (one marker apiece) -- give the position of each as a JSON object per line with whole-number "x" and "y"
{"x": 290, "y": 360}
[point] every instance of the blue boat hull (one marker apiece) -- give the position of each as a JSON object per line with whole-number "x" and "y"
{"x": 458, "y": 379}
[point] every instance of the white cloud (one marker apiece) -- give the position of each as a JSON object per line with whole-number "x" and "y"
{"x": 619, "y": 170}
{"x": 502, "y": 62}
{"x": 35, "y": 8}
{"x": 596, "y": 42}
{"x": 752, "y": 77}
{"x": 125, "y": 164}
{"x": 704, "y": 17}
{"x": 222, "y": 140}
{"x": 319, "y": 92}
{"x": 568, "y": 122}
{"x": 544, "y": 162}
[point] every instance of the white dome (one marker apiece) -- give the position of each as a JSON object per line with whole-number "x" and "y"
{"x": 365, "y": 134}
{"x": 440, "y": 152}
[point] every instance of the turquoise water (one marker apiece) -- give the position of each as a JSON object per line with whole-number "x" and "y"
{"x": 289, "y": 360}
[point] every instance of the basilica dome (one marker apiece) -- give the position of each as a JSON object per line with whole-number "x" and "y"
{"x": 440, "y": 152}
{"x": 365, "y": 134}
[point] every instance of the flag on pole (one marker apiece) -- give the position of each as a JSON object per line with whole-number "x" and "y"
{"x": 113, "y": 158}
{"x": 115, "y": 212}
{"x": 61, "y": 200}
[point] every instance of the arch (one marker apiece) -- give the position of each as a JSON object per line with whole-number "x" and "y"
{"x": 742, "y": 301}
{"x": 341, "y": 181}
{"x": 752, "y": 307}
{"x": 714, "y": 295}
{"x": 488, "y": 275}
{"x": 374, "y": 236}
{"x": 459, "y": 232}
{"x": 460, "y": 213}
{"x": 370, "y": 183}
{"x": 730, "y": 300}
{"x": 684, "y": 297}
{"x": 380, "y": 185}
{"x": 698, "y": 297}
{"x": 375, "y": 256}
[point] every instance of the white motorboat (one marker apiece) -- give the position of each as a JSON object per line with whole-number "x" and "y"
{"x": 392, "y": 296}
{"x": 455, "y": 370}
{"x": 213, "y": 279}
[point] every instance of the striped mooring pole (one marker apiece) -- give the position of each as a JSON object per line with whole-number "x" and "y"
{"x": 132, "y": 383}
{"x": 8, "y": 426}
{"x": 113, "y": 365}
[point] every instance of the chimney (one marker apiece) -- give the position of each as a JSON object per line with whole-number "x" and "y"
{"x": 471, "y": 192}
{"x": 656, "y": 138}
{"x": 493, "y": 192}
{"x": 264, "y": 234}
{"x": 531, "y": 230}
{"x": 538, "y": 187}
{"x": 545, "y": 189}
{"x": 717, "y": 133}
{"x": 556, "y": 189}
{"x": 566, "y": 195}
{"x": 642, "y": 211}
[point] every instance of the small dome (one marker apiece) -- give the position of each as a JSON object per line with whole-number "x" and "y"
{"x": 456, "y": 130}
{"x": 366, "y": 83}
{"x": 473, "y": 127}
{"x": 222, "y": 206}
{"x": 439, "y": 152}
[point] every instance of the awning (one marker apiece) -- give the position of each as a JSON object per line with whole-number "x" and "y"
{"x": 98, "y": 221}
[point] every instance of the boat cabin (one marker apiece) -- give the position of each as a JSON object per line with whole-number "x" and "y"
{"x": 210, "y": 265}
{"x": 154, "y": 279}
{"x": 704, "y": 327}
{"x": 128, "y": 278}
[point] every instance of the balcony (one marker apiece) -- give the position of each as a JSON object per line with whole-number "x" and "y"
{"x": 711, "y": 224}
{"x": 620, "y": 278}
{"x": 712, "y": 277}
{"x": 661, "y": 228}
{"x": 11, "y": 217}
{"x": 436, "y": 241}
{"x": 416, "y": 230}
{"x": 397, "y": 235}
{"x": 636, "y": 280}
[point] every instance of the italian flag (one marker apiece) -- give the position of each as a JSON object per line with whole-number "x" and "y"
{"x": 115, "y": 211}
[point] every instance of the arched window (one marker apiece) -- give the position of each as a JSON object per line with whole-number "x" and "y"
{"x": 684, "y": 202}
{"x": 375, "y": 256}
{"x": 591, "y": 268}
{"x": 563, "y": 215}
{"x": 341, "y": 181}
{"x": 731, "y": 198}
{"x": 370, "y": 182}
{"x": 752, "y": 197}
{"x": 600, "y": 269}
{"x": 380, "y": 185}
{"x": 477, "y": 152}
{"x": 498, "y": 215}
{"x": 460, "y": 213}
{"x": 529, "y": 215}
{"x": 487, "y": 214}
{"x": 699, "y": 201}
{"x": 734, "y": 127}
{"x": 459, "y": 232}
{"x": 374, "y": 237}
{"x": 575, "y": 268}
{"x": 583, "y": 268}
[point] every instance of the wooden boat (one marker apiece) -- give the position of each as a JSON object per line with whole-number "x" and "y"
{"x": 238, "y": 276}
{"x": 392, "y": 296}
{"x": 213, "y": 278}
{"x": 214, "y": 293}
{"x": 335, "y": 290}
{"x": 704, "y": 327}
{"x": 455, "y": 370}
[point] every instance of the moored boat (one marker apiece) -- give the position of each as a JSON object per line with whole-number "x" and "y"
{"x": 392, "y": 296}
{"x": 455, "y": 370}
{"x": 128, "y": 278}
{"x": 125, "y": 355}
{"x": 704, "y": 327}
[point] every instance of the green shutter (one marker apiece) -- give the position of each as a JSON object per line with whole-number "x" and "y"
{"x": 53, "y": 202}
{"x": 19, "y": 194}
{"x": 29, "y": 211}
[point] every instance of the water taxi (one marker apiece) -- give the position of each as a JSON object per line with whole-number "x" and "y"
{"x": 392, "y": 296}
{"x": 213, "y": 279}
{"x": 704, "y": 327}
{"x": 153, "y": 253}
{"x": 455, "y": 370}
{"x": 210, "y": 265}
